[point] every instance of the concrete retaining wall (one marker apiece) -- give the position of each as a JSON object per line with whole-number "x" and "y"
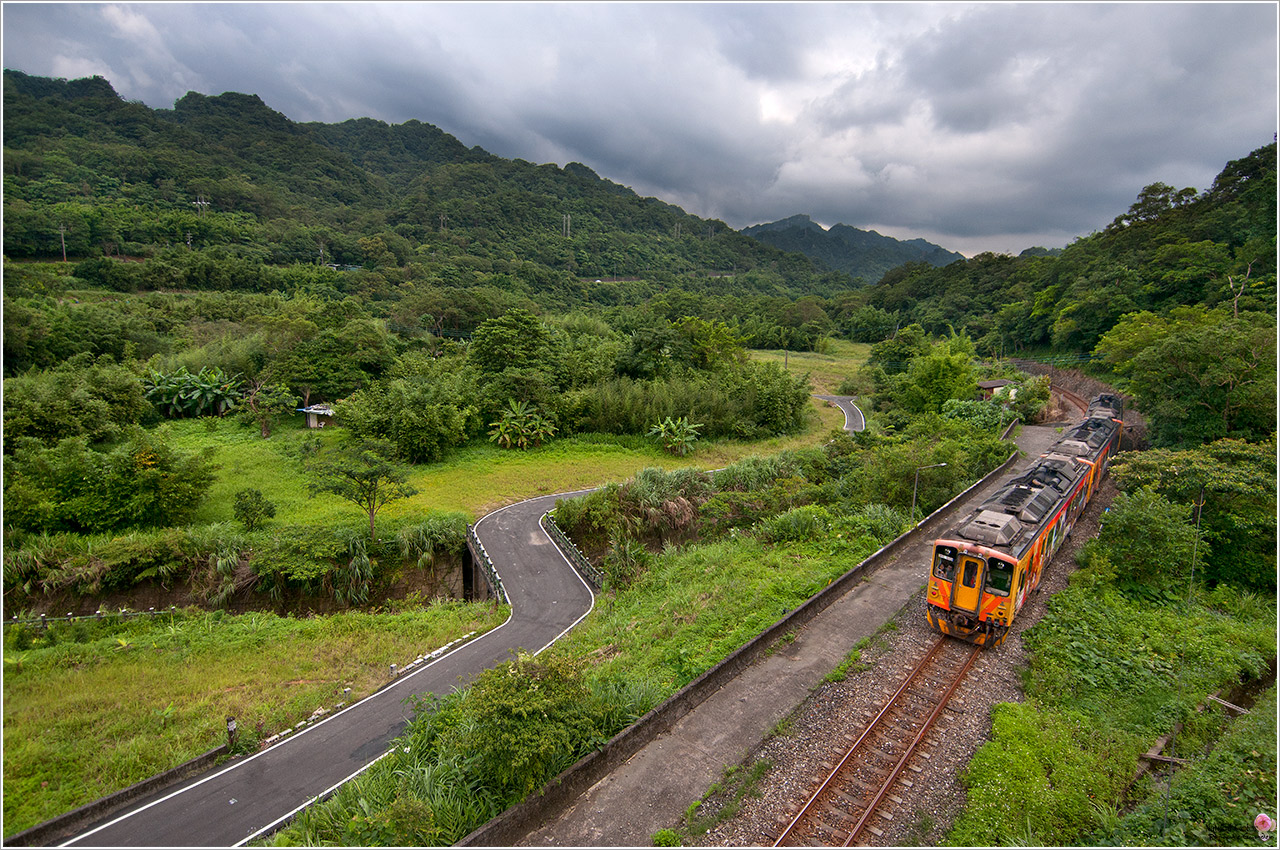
{"x": 514, "y": 824}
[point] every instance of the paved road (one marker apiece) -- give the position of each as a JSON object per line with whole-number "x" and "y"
{"x": 853, "y": 418}
{"x": 233, "y": 804}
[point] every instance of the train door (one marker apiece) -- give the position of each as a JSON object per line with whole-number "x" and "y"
{"x": 966, "y": 592}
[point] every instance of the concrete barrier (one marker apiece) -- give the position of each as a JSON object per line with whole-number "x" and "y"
{"x": 514, "y": 824}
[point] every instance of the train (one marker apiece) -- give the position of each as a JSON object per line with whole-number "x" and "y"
{"x": 988, "y": 561}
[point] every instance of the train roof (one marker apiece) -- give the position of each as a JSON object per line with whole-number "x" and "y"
{"x": 1013, "y": 513}
{"x": 1011, "y": 517}
{"x": 1086, "y": 438}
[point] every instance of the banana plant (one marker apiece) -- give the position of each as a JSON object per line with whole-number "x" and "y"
{"x": 211, "y": 392}
{"x": 521, "y": 426}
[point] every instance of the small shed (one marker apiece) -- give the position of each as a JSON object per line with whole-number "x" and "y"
{"x": 987, "y": 389}
{"x": 318, "y": 415}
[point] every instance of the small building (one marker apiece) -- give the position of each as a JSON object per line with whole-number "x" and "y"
{"x": 987, "y": 389}
{"x": 318, "y": 415}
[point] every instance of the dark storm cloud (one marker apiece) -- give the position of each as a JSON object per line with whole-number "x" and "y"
{"x": 977, "y": 126}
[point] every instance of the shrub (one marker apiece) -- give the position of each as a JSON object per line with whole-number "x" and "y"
{"x": 678, "y": 436}
{"x": 142, "y": 483}
{"x": 253, "y": 509}
{"x": 807, "y": 522}
{"x": 1149, "y": 540}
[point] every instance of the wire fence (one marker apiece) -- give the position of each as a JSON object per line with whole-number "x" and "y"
{"x": 571, "y": 551}
{"x": 43, "y": 620}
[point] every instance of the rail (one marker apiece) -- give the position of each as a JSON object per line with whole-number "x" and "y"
{"x": 482, "y": 558}
{"x": 1072, "y": 397}
{"x": 836, "y": 802}
{"x": 580, "y": 562}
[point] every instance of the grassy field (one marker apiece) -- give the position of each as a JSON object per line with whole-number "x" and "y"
{"x": 841, "y": 360}
{"x": 105, "y": 705}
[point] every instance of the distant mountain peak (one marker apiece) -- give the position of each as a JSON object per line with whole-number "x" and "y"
{"x": 863, "y": 254}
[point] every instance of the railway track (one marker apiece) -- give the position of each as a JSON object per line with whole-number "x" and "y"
{"x": 1073, "y": 398}
{"x": 860, "y": 787}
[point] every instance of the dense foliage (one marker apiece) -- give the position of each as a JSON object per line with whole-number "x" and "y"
{"x": 141, "y": 483}
{"x": 1233, "y": 483}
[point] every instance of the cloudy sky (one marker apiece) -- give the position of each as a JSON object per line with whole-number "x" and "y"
{"x": 976, "y": 126}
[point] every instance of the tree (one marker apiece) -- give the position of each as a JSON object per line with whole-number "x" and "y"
{"x": 521, "y": 426}
{"x": 1153, "y": 202}
{"x": 253, "y": 509}
{"x": 946, "y": 372}
{"x": 1237, "y": 481}
{"x": 895, "y": 354}
{"x": 422, "y": 416}
{"x": 708, "y": 343}
{"x": 516, "y": 339}
{"x": 360, "y": 472}
{"x": 210, "y": 392}
{"x": 1209, "y": 377}
{"x": 677, "y": 436}
{"x": 1148, "y": 541}
{"x": 265, "y": 403}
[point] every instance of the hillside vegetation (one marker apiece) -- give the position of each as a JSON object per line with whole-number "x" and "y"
{"x": 862, "y": 254}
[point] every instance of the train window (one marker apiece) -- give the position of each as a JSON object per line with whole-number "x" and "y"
{"x": 999, "y": 577}
{"x": 944, "y": 563}
{"x": 970, "y": 576}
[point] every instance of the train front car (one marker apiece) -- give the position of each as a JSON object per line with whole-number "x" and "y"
{"x": 985, "y": 565}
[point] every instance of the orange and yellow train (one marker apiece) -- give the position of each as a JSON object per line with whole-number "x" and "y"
{"x": 986, "y": 564}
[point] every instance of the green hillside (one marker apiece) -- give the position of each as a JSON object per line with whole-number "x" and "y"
{"x": 226, "y": 172}
{"x": 862, "y": 254}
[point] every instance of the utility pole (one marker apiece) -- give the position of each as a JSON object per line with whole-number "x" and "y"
{"x": 566, "y": 226}
{"x": 444, "y": 222}
{"x": 200, "y": 203}
{"x": 62, "y": 231}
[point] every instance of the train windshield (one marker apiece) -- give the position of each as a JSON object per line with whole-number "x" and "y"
{"x": 944, "y": 563}
{"x": 999, "y": 577}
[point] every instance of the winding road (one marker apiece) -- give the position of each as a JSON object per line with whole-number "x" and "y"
{"x": 853, "y": 418}
{"x": 245, "y": 799}
{"x": 233, "y": 804}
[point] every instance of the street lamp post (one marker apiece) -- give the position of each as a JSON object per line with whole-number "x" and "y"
{"x": 916, "y": 486}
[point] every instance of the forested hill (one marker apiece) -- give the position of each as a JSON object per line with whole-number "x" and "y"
{"x": 228, "y": 174}
{"x": 1173, "y": 249}
{"x": 861, "y": 254}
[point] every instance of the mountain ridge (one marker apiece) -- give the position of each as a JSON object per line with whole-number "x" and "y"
{"x": 863, "y": 254}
